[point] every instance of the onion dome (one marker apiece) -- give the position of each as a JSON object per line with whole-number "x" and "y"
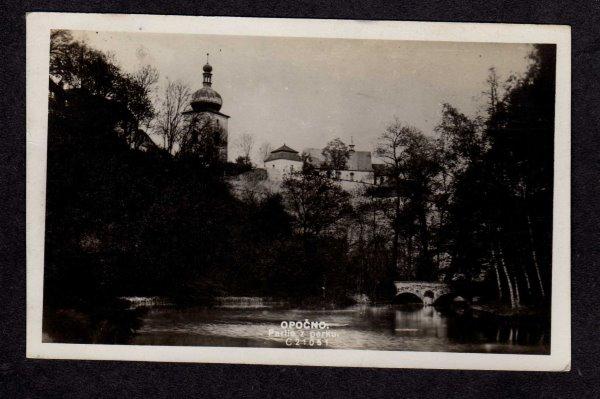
{"x": 206, "y": 98}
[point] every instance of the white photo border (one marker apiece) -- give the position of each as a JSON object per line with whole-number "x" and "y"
{"x": 38, "y": 42}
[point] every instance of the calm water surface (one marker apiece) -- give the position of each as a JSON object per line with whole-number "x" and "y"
{"x": 389, "y": 327}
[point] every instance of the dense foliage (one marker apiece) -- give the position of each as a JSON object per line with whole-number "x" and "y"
{"x": 125, "y": 217}
{"x": 473, "y": 205}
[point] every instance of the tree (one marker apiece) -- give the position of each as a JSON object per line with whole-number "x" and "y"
{"x": 524, "y": 119}
{"x": 147, "y": 76}
{"x": 91, "y": 75}
{"x": 315, "y": 201}
{"x": 368, "y": 238}
{"x": 264, "y": 150}
{"x": 94, "y": 119}
{"x": 413, "y": 164}
{"x": 318, "y": 206}
{"x": 249, "y": 184}
{"x": 499, "y": 196}
{"x": 336, "y": 155}
{"x": 461, "y": 140}
{"x": 203, "y": 141}
{"x": 460, "y": 146}
{"x": 170, "y": 122}
{"x": 245, "y": 144}
{"x": 243, "y": 161}
{"x": 137, "y": 100}
{"x": 492, "y": 92}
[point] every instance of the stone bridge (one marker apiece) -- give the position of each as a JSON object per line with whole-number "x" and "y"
{"x": 427, "y": 292}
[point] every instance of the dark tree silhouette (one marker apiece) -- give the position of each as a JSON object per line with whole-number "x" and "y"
{"x": 412, "y": 164}
{"x": 202, "y": 140}
{"x": 316, "y": 203}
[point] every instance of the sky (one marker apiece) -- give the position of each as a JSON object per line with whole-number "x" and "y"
{"x": 305, "y": 91}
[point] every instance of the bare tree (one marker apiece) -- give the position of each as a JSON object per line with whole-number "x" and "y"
{"x": 245, "y": 143}
{"x": 264, "y": 150}
{"x": 147, "y": 76}
{"x": 492, "y": 92}
{"x": 170, "y": 118}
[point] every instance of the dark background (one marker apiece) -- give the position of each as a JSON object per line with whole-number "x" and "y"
{"x": 20, "y": 377}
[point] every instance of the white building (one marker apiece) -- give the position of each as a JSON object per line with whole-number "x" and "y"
{"x": 281, "y": 162}
{"x": 285, "y": 160}
{"x": 358, "y": 172}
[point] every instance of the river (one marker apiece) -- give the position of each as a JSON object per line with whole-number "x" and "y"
{"x": 256, "y": 323}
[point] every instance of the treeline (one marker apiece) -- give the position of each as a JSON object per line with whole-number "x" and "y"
{"x": 127, "y": 217}
{"x": 472, "y": 204}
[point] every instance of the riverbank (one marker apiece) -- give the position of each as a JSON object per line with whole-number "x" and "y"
{"x": 507, "y": 312}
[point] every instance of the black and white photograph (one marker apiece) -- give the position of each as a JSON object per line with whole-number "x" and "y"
{"x": 302, "y": 195}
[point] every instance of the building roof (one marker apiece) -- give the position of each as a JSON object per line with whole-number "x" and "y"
{"x": 190, "y": 110}
{"x": 284, "y": 148}
{"x": 357, "y": 161}
{"x": 360, "y": 161}
{"x": 206, "y": 98}
{"x": 284, "y": 152}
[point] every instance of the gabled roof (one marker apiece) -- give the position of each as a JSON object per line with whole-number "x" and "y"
{"x": 284, "y": 148}
{"x": 284, "y": 152}
{"x": 290, "y": 156}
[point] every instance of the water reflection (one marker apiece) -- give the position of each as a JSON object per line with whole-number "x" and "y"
{"x": 423, "y": 321}
{"x": 409, "y": 328}
{"x": 252, "y": 322}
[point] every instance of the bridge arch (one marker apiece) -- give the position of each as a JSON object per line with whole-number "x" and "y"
{"x": 408, "y": 298}
{"x": 428, "y": 292}
{"x": 445, "y": 298}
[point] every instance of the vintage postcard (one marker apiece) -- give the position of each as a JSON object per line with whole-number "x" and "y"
{"x": 298, "y": 192}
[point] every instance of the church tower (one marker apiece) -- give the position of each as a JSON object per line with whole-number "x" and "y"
{"x": 206, "y": 105}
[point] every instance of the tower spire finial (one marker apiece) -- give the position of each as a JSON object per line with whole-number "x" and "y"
{"x": 207, "y": 81}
